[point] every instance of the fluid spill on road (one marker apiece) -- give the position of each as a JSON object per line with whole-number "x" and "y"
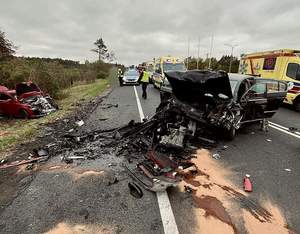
{"x": 219, "y": 204}
{"x": 214, "y": 207}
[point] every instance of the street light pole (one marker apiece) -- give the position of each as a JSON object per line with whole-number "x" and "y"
{"x": 210, "y": 51}
{"x": 188, "y": 54}
{"x": 198, "y": 58}
{"x": 231, "y": 56}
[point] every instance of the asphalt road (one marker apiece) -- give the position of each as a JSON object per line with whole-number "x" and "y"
{"x": 79, "y": 198}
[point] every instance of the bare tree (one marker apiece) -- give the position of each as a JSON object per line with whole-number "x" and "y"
{"x": 7, "y": 48}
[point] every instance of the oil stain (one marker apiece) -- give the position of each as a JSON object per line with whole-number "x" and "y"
{"x": 214, "y": 207}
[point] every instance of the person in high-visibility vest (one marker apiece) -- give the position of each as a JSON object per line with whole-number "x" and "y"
{"x": 120, "y": 76}
{"x": 144, "y": 81}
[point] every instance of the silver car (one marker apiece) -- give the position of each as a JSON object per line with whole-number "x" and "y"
{"x": 131, "y": 77}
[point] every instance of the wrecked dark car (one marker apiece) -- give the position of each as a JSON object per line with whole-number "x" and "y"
{"x": 26, "y": 101}
{"x": 215, "y": 99}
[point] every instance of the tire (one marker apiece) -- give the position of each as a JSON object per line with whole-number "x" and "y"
{"x": 296, "y": 104}
{"x": 230, "y": 134}
{"x": 23, "y": 114}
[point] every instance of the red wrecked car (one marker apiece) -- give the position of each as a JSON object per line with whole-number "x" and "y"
{"x": 26, "y": 101}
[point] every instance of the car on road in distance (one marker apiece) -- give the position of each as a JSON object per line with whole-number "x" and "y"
{"x": 26, "y": 101}
{"x": 164, "y": 64}
{"x": 281, "y": 64}
{"x": 229, "y": 100}
{"x": 131, "y": 77}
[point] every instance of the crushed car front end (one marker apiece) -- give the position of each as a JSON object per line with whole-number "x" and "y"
{"x": 40, "y": 104}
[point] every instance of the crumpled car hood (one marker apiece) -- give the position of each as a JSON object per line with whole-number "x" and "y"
{"x": 191, "y": 86}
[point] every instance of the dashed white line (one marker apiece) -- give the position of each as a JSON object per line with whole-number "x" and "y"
{"x": 164, "y": 204}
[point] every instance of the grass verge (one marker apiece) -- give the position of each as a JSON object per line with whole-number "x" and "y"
{"x": 14, "y": 131}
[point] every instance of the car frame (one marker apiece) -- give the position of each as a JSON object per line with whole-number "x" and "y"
{"x": 234, "y": 101}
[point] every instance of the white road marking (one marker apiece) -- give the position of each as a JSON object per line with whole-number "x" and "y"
{"x": 283, "y": 129}
{"x": 139, "y": 104}
{"x": 164, "y": 204}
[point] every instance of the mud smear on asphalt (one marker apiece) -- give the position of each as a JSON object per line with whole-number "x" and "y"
{"x": 222, "y": 207}
{"x": 76, "y": 172}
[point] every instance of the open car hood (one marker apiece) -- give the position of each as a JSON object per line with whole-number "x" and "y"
{"x": 191, "y": 86}
{"x": 25, "y": 87}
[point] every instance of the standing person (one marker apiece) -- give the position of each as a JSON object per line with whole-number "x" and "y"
{"x": 144, "y": 80}
{"x": 120, "y": 76}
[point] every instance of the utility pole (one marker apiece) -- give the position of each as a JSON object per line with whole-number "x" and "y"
{"x": 231, "y": 56}
{"x": 198, "y": 58}
{"x": 188, "y": 54}
{"x": 210, "y": 51}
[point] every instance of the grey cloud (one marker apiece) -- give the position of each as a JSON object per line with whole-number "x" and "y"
{"x": 138, "y": 30}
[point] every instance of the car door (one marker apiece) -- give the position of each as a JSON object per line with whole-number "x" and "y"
{"x": 254, "y": 101}
{"x": 7, "y": 104}
{"x": 275, "y": 93}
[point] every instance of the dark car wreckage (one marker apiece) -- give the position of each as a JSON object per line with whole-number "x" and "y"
{"x": 26, "y": 101}
{"x": 222, "y": 101}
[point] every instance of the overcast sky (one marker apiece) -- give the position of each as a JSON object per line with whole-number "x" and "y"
{"x": 138, "y": 30}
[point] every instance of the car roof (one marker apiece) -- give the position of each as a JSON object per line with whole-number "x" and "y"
{"x": 238, "y": 77}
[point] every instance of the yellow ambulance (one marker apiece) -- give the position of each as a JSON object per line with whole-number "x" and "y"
{"x": 281, "y": 64}
{"x": 163, "y": 64}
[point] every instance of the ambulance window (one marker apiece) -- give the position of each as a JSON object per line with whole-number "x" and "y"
{"x": 269, "y": 64}
{"x": 292, "y": 70}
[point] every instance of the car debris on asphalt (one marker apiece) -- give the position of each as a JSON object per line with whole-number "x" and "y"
{"x": 79, "y": 123}
{"x": 247, "y": 183}
{"x": 22, "y": 162}
{"x": 216, "y": 156}
{"x": 135, "y": 190}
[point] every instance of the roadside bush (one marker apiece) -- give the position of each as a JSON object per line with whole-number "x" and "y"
{"x": 52, "y": 75}
{"x": 102, "y": 75}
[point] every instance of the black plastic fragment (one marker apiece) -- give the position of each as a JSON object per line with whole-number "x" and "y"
{"x": 135, "y": 190}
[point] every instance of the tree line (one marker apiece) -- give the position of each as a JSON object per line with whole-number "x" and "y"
{"x": 222, "y": 64}
{"x": 51, "y": 74}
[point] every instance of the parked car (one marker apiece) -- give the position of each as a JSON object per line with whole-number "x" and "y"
{"x": 26, "y": 101}
{"x": 222, "y": 100}
{"x": 131, "y": 77}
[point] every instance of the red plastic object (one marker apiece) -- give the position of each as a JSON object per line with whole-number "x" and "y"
{"x": 247, "y": 183}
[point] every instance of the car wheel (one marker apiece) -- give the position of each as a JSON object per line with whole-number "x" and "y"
{"x": 230, "y": 134}
{"x": 297, "y": 104}
{"x": 23, "y": 114}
